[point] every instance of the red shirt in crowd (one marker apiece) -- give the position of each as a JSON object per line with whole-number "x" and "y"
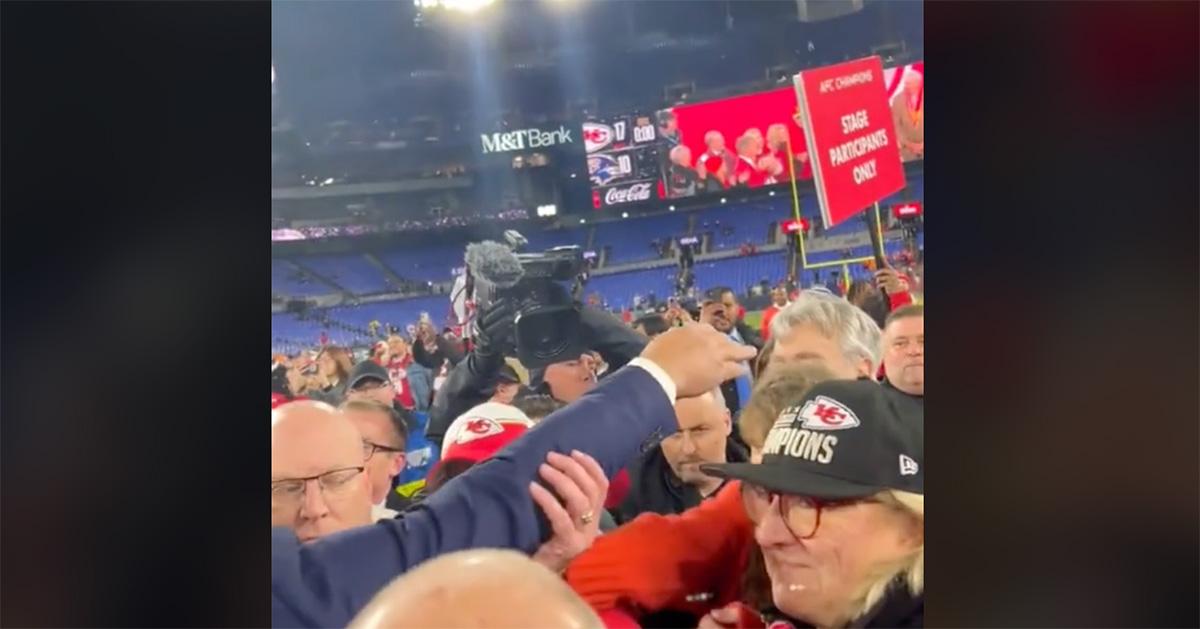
{"x": 712, "y": 163}
{"x": 781, "y": 158}
{"x": 398, "y": 372}
{"x": 746, "y": 173}
{"x": 767, "y": 315}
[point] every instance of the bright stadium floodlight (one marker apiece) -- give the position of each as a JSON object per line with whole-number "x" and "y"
{"x": 463, "y": 6}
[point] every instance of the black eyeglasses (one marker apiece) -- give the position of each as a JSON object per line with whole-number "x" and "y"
{"x": 370, "y": 448}
{"x": 289, "y": 491}
{"x": 370, "y": 386}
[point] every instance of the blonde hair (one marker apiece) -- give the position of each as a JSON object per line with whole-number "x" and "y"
{"x": 909, "y": 570}
{"x": 779, "y": 387}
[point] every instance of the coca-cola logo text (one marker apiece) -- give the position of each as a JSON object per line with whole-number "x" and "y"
{"x": 628, "y": 194}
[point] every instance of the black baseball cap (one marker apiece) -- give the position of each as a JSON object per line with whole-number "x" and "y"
{"x": 843, "y": 439}
{"x": 508, "y": 374}
{"x": 715, "y": 293}
{"x": 364, "y": 370}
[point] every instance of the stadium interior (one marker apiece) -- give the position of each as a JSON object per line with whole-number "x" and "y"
{"x": 385, "y": 162}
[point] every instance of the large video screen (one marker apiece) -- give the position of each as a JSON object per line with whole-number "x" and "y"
{"x": 746, "y": 141}
{"x": 906, "y": 93}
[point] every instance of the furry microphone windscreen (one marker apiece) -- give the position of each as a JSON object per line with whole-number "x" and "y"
{"x": 494, "y": 263}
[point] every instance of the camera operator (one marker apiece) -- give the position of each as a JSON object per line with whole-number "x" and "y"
{"x": 474, "y": 379}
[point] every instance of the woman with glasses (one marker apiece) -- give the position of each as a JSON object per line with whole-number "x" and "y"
{"x": 672, "y": 570}
{"x": 838, "y": 508}
{"x": 706, "y": 558}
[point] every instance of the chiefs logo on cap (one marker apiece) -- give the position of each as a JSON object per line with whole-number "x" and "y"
{"x": 478, "y": 428}
{"x": 824, "y": 413}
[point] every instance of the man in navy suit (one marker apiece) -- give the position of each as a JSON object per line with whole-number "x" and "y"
{"x": 325, "y": 582}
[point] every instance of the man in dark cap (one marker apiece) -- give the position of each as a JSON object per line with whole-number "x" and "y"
{"x": 508, "y": 384}
{"x": 474, "y": 380}
{"x": 720, "y": 309}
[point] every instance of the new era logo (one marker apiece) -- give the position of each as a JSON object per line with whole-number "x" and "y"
{"x": 908, "y": 467}
{"x": 825, "y": 413}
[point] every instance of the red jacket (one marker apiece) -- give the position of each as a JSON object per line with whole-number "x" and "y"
{"x": 767, "y": 315}
{"x": 692, "y": 561}
{"x": 754, "y": 178}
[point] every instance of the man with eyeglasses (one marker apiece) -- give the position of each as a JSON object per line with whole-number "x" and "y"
{"x": 317, "y": 482}
{"x": 385, "y": 436}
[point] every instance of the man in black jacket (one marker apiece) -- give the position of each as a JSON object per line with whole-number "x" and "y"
{"x": 473, "y": 379}
{"x": 667, "y": 479}
{"x": 720, "y": 309}
{"x": 904, "y": 351}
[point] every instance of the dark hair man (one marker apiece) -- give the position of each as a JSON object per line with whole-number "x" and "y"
{"x": 385, "y": 440}
{"x": 720, "y": 310}
{"x": 779, "y": 300}
{"x": 474, "y": 379}
{"x": 904, "y": 350}
{"x": 667, "y": 478}
{"x": 651, "y": 325}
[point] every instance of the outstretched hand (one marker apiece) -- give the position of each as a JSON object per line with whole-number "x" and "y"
{"x": 582, "y": 486}
{"x": 698, "y": 357}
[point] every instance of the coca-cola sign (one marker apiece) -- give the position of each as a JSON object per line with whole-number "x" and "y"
{"x": 632, "y": 193}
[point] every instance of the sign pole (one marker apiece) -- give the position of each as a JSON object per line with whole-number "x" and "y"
{"x": 803, "y": 259}
{"x": 875, "y": 229}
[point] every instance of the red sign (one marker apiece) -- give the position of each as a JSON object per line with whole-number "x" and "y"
{"x": 791, "y": 225}
{"x": 851, "y": 136}
{"x": 911, "y": 209}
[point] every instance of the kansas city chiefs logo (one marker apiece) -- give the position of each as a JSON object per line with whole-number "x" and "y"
{"x": 478, "y": 428}
{"x": 596, "y": 136}
{"x": 824, "y": 413}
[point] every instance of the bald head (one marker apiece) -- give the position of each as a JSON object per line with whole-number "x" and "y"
{"x": 477, "y": 588}
{"x": 704, "y": 424}
{"x": 318, "y": 485}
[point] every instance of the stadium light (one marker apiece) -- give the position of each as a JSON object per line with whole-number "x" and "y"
{"x": 462, "y": 6}
{"x": 722, "y": 199}
{"x": 771, "y": 193}
{"x": 672, "y": 208}
{"x": 582, "y": 221}
{"x": 624, "y": 214}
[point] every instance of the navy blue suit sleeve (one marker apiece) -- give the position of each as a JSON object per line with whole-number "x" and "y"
{"x": 323, "y": 584}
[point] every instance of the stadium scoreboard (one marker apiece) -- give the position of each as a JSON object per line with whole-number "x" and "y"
{"x": 623, "y": 158}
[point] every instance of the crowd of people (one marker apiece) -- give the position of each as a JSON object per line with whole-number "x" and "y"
{"x": 312, "y": 232}
{"x": 686, "y": 469}
{"x": 756, "y": 160}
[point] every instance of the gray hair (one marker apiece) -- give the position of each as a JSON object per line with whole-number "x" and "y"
{"x": 836, "y": 318}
